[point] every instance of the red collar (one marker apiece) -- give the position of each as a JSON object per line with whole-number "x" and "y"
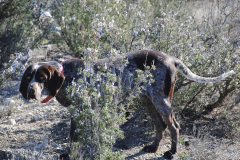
{"x": 50, "y": 96}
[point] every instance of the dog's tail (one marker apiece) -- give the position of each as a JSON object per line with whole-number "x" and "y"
{"x": 190, "y": 75}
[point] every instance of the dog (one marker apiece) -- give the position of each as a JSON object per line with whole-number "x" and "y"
{"x": 157, "y": 97}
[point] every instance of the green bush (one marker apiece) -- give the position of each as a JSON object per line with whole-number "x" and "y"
{"x": 99, "y": 104}
{"x": 93, "y": 29}
{"x": 19, "y": 22}
{"x": 14, "y": 27}
{"x": 97, "y": 112}
{"x": 167, "y": 26}
{"x": 208, "y": 49}
{"x": 97, "y": 29}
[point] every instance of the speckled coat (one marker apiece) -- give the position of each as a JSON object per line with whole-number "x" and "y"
{"x": 156, "y": 97}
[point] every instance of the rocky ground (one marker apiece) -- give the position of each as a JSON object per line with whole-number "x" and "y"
{"x": 32, "y": 130}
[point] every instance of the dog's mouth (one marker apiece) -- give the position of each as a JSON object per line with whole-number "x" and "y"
{"x": 36, "y": 93}
{"x": 33, "y": 96}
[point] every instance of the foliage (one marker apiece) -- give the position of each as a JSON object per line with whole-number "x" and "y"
{"x": 216, "y": 54}
{"x": 166, "y": 26}
{"x": 97, "y": 111}
{"x": 231, "y": 124}
{"x": 14, "y": 27}
{"x": 92, "y": 29}
{"x": 15, "y": 66}
{"x": 97, "y": 29}
{"x": 91, "y": 24}
{"x": 19, "y": 32}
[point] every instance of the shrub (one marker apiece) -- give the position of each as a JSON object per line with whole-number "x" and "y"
{"x": 15, "y": 66}
{"x": 97, "y": 112}
{"x": 208, "y": 49}
{"x": 14, "y": 27}
{"x": 19, "y": 32}
{"x": 96, "y": 29}
{"x": 165, "y": 26}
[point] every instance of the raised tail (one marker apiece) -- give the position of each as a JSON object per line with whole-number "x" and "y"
{"x": 190, "y": 75}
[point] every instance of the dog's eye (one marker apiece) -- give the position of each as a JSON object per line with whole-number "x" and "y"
{"x": 42, "y": 78}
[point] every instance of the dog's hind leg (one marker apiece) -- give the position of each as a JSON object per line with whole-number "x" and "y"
{"x": 158, "y": 121}
{"x": 163, "y": 107}
{"x": 174, "y": 129}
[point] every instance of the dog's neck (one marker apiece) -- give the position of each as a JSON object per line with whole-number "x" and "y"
{"x": 54, "y": 64}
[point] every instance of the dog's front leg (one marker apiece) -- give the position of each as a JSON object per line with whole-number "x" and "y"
{"x": 73, "y": 127}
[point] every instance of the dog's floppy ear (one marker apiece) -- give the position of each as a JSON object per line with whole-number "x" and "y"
{"x": 26, "y": 79}
{"x": 55, "y": 81}
{"x": 23, "y": 87}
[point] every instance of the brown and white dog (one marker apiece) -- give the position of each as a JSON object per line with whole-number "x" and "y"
{"x": 157, "y": 96}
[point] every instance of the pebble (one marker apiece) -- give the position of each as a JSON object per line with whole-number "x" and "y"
{"x": 12, "y": 121}
{"x": 9, "y": 102}
{"x": 37, "y": 118}
{"x": 14, "y": 139}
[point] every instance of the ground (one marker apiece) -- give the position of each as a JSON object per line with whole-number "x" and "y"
{"x": 32, "y": 130}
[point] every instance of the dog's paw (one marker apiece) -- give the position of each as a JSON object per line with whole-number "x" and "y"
{"x": 64, "y": 156}
{"x": 150, "y": 149}
{"x": 169, "y": 154}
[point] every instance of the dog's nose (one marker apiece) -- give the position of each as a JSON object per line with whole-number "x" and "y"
{"x": 31, "y": 91}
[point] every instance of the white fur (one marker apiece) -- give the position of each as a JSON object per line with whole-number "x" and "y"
{"x": 190, "y": 75}
{"x": 36, "y": 66}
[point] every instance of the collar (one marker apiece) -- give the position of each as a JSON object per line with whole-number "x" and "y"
{"x": 50, "y": 96}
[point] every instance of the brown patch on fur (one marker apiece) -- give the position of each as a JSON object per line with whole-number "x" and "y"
{"x": 170, "y": 95}
{"x": 168, "y": 83}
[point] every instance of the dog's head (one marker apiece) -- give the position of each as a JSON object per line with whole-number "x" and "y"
{"x": 38, "y": 77}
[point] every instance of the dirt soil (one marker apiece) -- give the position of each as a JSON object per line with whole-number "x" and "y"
{"x": 32, "y": 130}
